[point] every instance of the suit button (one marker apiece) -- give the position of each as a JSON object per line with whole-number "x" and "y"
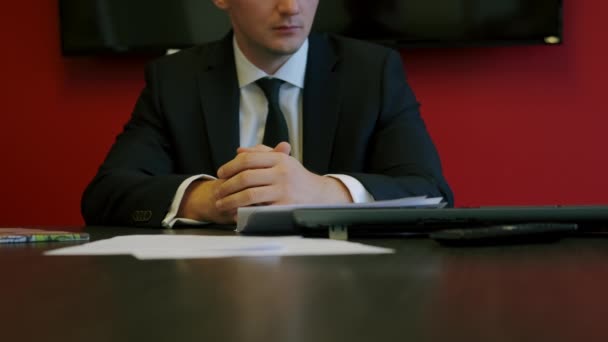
{"x": 141, "y": 216}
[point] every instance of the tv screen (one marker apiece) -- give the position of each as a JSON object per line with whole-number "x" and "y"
{"x": 90, "y": 26}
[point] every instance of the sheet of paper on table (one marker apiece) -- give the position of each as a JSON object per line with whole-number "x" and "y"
{"x": 150, "y": 247}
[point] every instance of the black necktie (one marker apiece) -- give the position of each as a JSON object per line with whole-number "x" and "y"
{"x": 276, "y": 129}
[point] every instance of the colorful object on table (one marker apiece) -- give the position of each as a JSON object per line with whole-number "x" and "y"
{"x": 23, "y": 235}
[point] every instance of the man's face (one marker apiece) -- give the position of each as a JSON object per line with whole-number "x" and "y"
{"x": 270, "y": 27}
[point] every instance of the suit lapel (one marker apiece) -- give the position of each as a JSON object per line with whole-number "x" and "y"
{"x": 321, "y": 105}
{"x": 219, "y": 93}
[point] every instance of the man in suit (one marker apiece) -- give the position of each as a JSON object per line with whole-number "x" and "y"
{"x": 278, "y": 115}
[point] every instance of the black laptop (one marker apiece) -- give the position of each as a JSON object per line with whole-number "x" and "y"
{"x": 405, "y": 220}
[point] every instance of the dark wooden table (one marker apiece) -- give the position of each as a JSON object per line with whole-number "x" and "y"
{"x": 424, "y": 292}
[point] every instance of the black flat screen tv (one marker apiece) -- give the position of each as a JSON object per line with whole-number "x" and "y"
{"x": 119, "y": 26}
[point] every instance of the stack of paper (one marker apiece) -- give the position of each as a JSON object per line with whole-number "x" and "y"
{"x": 148, "y": 247}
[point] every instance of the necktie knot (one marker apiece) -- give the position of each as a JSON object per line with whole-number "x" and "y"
{"x": 270, "y": 87}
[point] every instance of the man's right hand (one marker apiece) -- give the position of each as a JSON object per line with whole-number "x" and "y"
{"x": 199, "y": 201}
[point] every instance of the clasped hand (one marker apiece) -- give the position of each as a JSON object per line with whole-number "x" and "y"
{"x": 261, "y": 175}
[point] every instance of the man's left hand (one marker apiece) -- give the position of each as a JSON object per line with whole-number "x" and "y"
{"x": 262, "y": 176}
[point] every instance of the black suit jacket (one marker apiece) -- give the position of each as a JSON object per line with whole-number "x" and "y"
{"x": 360, "y": 118}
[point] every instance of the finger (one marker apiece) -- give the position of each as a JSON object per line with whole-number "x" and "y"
{"x": 249, "y": 161}
{"x": 256, "y": 148}
{"x": 283, "y": 147}
{"x": 248, "y": 197}
{"x": 244, "y": 180}
{"x": 226, "y": 217}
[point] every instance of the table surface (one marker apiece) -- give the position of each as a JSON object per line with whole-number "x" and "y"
{"x": 423, "y": 292}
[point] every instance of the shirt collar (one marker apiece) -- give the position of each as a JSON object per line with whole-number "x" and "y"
{"x": 292, "y": 72}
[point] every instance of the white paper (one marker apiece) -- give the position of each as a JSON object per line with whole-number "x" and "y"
{"x": 151, "y": 247}
{"x": 281, "y": 218}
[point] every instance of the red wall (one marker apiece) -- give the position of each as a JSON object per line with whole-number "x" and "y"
{"x": 514, "y": 125}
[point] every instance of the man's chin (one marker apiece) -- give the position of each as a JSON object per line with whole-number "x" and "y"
{"x": 287, "y": 46}
{"x": 286, "y": 49}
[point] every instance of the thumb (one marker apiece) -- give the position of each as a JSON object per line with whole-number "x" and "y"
{"x": 283, "y": 147}
{"x": 257, "y": 148}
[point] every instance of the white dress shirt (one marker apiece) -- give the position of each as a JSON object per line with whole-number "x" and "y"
{"x": 253, "y": 111}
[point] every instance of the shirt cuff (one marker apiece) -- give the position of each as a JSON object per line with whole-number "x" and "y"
{"x": 355, "y": 188}
{"x": 170, "y": 219}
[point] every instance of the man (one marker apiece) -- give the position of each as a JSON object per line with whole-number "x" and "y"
{"x": 354, "y": 130}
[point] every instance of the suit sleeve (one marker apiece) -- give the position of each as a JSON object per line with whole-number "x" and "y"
{"x": 402, "y": 159}
{"x": 136, "y": 183}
